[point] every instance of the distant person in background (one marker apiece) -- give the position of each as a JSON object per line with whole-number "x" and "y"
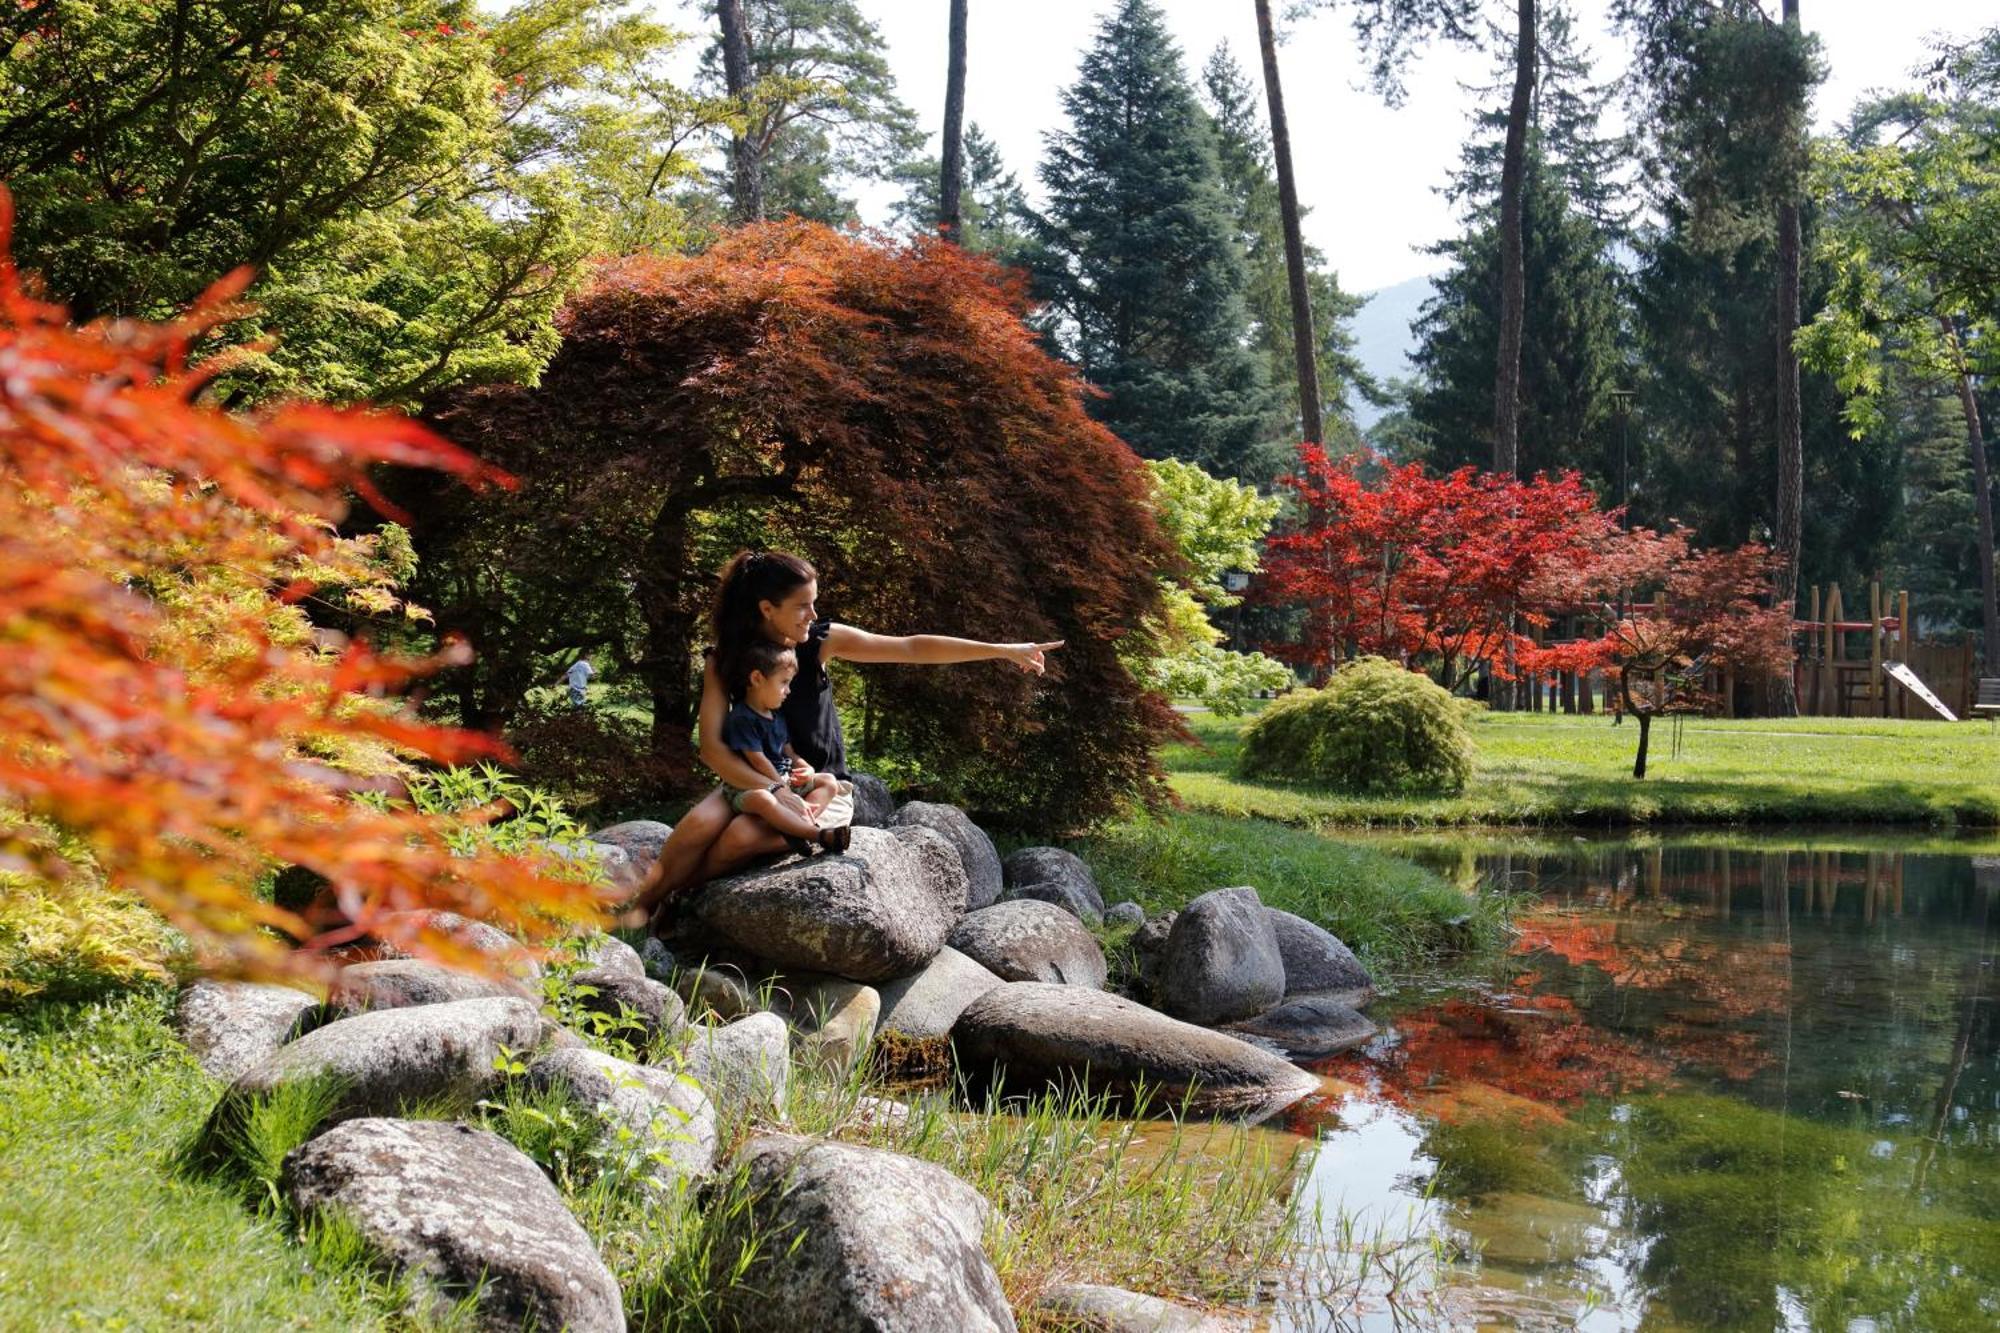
{"x": 578, "y": 676}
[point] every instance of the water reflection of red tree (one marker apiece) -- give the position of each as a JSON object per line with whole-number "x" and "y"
{"x": 1541, "y": 1050}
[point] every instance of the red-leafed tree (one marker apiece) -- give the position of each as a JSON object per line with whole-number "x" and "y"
{"x": 1389, "y": 560}
{"x": 884, "y": 410}
{"x": 1664, "y": 613}
{"x": 167, "y": 724}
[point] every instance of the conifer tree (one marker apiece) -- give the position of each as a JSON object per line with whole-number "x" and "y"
{"x": 993, "y": 208}
{"x": 1139, "y": 260}
{"x": 1244, "y": 154}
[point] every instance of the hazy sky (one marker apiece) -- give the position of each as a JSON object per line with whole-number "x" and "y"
{"x": 1369, "y": 173}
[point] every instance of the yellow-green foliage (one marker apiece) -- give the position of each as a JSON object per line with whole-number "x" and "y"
{"x": 1374, "y": 728}
{"x": 77, "y": 935}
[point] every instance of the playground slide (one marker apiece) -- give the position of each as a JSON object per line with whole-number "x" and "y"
{"x": 1909, "y": 680}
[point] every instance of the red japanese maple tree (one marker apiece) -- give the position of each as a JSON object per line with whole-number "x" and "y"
{"x": 1387, "y": 559}
{"x": 167, "y": 721}
{"x": 1701, "y": 609}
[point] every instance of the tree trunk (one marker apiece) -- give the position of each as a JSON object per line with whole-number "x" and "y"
{"x": 1982, "y": 491}
{"x": 747, "y": 171}
{"x": 1791, "y": 449}
{"x": 670, "y": 634}
{"x": 1304, "y": 345}
{"x": 952, "y": 183}
{"x": 1645, "y": 735}
{"x": 1513, "y": 275}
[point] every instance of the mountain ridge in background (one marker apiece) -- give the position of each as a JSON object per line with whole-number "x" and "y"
{"x": 1382, "y": 338}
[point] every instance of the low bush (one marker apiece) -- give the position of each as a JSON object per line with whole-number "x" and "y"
{"x": 587, "y": 756}
{"x": 1375, "y": 728}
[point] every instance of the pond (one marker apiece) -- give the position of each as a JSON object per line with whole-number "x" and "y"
{"x": 1752, "y": 1085}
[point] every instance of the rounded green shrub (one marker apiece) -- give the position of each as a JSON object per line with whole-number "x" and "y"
{"x": 1376, "y": 729}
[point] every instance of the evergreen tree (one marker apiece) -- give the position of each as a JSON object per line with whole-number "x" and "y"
{"x": 822, "y": 108}
{"x": 1138, "y": 256}
{"x": 993, "y": 208}
{"x": 1572, "y": 325}
{"x": 1936, "y": 553}
{"x": 1244, "y": 154}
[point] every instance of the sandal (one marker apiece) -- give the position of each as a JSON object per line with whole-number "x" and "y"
{"x": 836, "y": 839}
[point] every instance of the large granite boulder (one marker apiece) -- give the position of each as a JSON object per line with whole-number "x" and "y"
{"x": 601, "y": 950}
{"x": 874, "y": 807}
{"x": 399, "y": 983}
{"x": 639, "y": 839}
{"x": 1221, "y": 962}
{"x": 878, "y": 910}
{"x": 745, "y": 1063}
{"x": 639, "y": 1009}
{"x": 506, "y": 952}
{"x": 1027, "y": 940}
{"x": 1053, "y": 875}
{"x": 927, "y": 1002}
{"x": 669, "y": 1121}
{"x": 859, "y": 1240}
{"x": 1308, "y": 1028}
{"x": 975, "y": 849}
{"x": 387, "y": 1059}
{"x": 458, "y": 1211}
{"x": 1029, "y": 1035}
{"x": 230, "y": 1026}
{"x": 1317, "y": 963}
{"x": 1083, "y": 1305}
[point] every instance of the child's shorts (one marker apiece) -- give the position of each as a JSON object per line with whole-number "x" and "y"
{"x": 738, "y": 796}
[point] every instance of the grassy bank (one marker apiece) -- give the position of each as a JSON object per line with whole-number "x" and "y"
{"x": 1551, "y": 770}
{"x": 105, "y": 1224}
{"x": 1395, "y": 914}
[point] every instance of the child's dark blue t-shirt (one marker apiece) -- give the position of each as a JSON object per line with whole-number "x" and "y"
{"x": 745, "y": 729}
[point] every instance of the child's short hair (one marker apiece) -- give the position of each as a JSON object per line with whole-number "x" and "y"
{"x": 759, "y": 655}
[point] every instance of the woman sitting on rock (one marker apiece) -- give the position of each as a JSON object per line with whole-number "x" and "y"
{"x": 769, "y": 595}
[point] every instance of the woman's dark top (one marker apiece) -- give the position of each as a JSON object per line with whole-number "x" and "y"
{"x": 809, "y": 712}
{"x": 747, "y": 731}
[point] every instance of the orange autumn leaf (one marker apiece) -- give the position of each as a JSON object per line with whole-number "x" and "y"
{"x": 160, "y": 699}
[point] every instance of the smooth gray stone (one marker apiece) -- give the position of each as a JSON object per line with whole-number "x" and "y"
{"x": 878, "y": 910}
{"x": 397, "y": 983}
{"x": 1077, "y": 889}
{"x": 926, "y": 1003}
{"x": 1056, "y": 893}
{"x": 390, "y": 1058}
{"x": 659, "y": 960}
{"x": 1026, "y": 940}
{"x": 1317, "y": 963}
{"x": 467, "y": 933}
{"x": 745, "y": 1063}
{"x": 874, "y": 807}
{"x": 457, "y": 1209}
{"x": 1221, "y": 962}
{"x": 975, "y": 850}
{"x": 601, "y": 950}
{"x": 1149, "y": 948}
{"x": 640, "y": 839}
{"x": 668, "y": 1114}
{"x": 832, "y": 1019}
{"x": 230, "y": 1026}
{"x": 863, "y": 1241}
{"x": 1031, "y": 1035}
{"x": 620, "y": 996}
{"x": 1308, "y": 1027}
{"x": 1116, "y": 1310}
{"x": 1127, "y": 913}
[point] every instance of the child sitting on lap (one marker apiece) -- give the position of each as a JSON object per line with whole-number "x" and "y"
{"x": 754, "y": 730}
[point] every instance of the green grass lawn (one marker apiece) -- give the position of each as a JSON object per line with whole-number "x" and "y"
{"x": 1553, "y": 769}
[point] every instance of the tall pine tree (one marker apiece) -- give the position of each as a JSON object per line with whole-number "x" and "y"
{"x": 1572, "y": 329}
{"x": 1244, "y": 153}
{"x": 1139, "y": 259}
{"x": 993, "y": 209}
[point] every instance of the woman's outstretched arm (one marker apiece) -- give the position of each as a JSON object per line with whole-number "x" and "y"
{"x": 858, "y": 645}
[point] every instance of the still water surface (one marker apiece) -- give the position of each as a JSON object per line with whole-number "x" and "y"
{"x": 1753, "y": 1087}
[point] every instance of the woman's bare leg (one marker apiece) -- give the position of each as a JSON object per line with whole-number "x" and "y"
{"x": 680, "y": 859}
{"x": 746, "y": 839}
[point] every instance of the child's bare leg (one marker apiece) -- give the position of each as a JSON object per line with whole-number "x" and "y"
{"x": 767, "y": 807}
{"x": 819, "y": 794}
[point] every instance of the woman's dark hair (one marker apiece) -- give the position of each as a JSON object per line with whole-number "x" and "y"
{"x": 759, "y": 655}
{"x": 737, "y": 621}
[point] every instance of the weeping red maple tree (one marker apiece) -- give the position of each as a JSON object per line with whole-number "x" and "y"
{"x": 882, "y": 409}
